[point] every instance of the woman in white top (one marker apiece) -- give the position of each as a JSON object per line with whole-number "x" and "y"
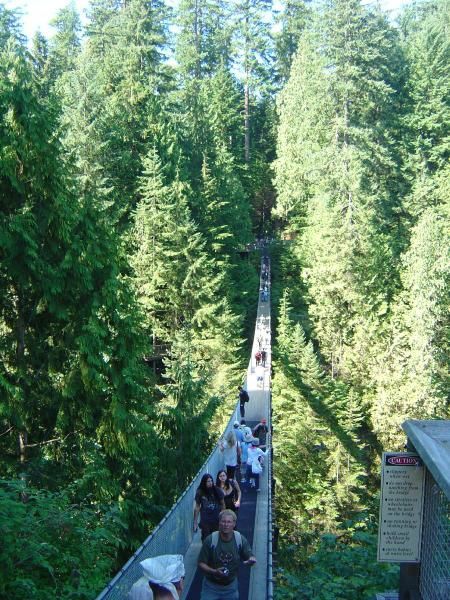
{"x": 254, "y": 453}
{"x": 231, "y": 451}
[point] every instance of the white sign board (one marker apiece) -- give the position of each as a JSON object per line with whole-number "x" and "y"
{"x": 401, "y": 505}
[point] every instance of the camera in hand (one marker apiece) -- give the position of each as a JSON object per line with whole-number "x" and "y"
{"x": 225, "y": 571}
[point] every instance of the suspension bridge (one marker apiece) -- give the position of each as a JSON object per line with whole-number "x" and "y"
{"x": 174, "y": 534}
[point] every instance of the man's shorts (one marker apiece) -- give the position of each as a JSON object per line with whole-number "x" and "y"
{"x": 215, "y": 591}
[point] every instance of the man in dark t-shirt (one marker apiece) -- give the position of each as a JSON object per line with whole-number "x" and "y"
{"x": 219, "y": 560}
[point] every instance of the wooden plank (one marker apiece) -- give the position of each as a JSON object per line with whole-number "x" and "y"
{"x": 431, "y": 439}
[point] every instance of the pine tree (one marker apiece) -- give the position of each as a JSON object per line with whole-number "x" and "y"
{"x": 428, "y": 53}
{"x": 292, "y": 21}
{"x": 253, "y": 55}
{"x": 10, "y": 26}
{"x": 170, "y": 266}
{"x": 412, "y": 375}
{"x": 75, "y": 392}
{"x": 65, "y": 44}
{"x": 185, "y": 411}
{"x": 340, "y": 97}
{"x": 111, "y": 100}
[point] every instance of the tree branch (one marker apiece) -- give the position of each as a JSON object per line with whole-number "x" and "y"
{"x": 7, "y": 431}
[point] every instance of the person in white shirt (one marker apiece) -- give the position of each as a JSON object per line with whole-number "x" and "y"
{"x": 254, "y": 454}
{"x": 231, "y": 450}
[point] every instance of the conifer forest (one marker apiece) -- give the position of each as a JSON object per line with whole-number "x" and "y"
{"x": 143, "y": 148}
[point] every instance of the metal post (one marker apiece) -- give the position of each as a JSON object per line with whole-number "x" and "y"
{"x": 409, "y": 581}
{"x": 409, "y": 572}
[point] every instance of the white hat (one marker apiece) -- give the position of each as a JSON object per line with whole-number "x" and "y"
{"x": 236, "y": 424}
{"x": 164, "y": 570}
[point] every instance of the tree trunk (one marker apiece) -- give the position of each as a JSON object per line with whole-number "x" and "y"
{"x": 247, "y": 93}
{"x": 20, "y": 353}
{"x": 23, "y": 440}
{"x": 247, "y": 122}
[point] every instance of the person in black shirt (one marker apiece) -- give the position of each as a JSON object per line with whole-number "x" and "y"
{"x": 209, "y": 502}
{"x": 260, "y": 431}
{"x": 243, "y": 398}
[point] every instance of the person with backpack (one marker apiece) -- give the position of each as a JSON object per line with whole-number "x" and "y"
{"x": 255, "y": 457}
{"x": 220, "y": 557}
{"x": 263, "y": 357}
{"x": 243, "y": 398}
{"x": 260, "y": 431}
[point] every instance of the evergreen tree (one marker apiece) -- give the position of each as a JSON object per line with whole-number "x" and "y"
{"x": 185, "y": 412}
{"x": 204, "y": 40}
{"x": 10, "y": 26}
{"x": 76, "y": 396}
{"x": 292, "y": 21}
{"x": 170, "y": 265}
{"x": 111, "y": 99}
{"x": 65, "y": 44}
{"x": 413, "y": 371}
{"x": 340, "y": 150}
{"x": 253, "y": 56}
{"x": 425, "y": 29}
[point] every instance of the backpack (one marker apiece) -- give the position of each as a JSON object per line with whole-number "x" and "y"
{"x": 215, "y": 539}
{"x": 256, "y": 466}
{"x": 243, "y": 396}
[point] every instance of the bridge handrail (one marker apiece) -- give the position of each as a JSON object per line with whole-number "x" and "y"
{"x": 270, "y": 520}
{"x": 173, "y": 534}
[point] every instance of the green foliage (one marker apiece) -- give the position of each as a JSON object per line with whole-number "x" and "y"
{"x": 361, "y": 181}
{"x": 65, "y": 44}
{"x": 52, "y": 548}
{"x": 342, "y": 566}
{"x": 292, "y": 22}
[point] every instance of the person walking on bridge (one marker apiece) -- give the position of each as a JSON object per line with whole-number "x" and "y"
{"x": 231, "y": 451}
{"x": 260, "y": 431}
{"x": 255, "y": 455}
{"x": 243, "y": 398}
{"x": 209, "y": 501}
{"x": 231, "y": 490}
{"x": 263, "y": 357}
{"x": 220, "y": 557}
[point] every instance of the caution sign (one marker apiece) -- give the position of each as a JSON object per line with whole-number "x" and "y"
{"x": 401, "y": 507}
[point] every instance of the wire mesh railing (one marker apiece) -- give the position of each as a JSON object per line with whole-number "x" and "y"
{"x": 270, "y": 520}
{"x": 435, "y": 561}
{"x": 174, "y": 533}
